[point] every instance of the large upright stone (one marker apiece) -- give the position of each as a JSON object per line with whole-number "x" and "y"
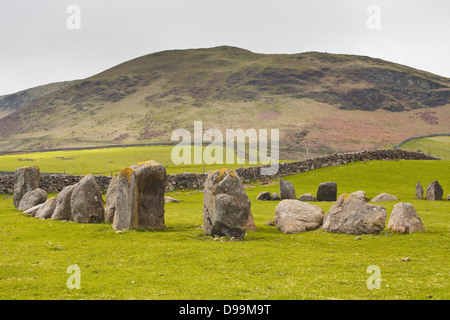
{"x": 32, "y": 198}
{"x": 419, "y": 191}
{"x": 287, "y": 190}
{"x": 293, "y": 216}
{"x": 111, "y": 198}
{"x": 327, "y": 191}
{"x": 25, "y": 179}
{"x": 86, "y": 201}
{"x": 354, "y": 216}
{"x": 63, "y": 210}
{"x": 140, "y": 196}
{"x": 226, "y": 206}
{"x": 404, "y": 219}
{"x": 434, "y": 191}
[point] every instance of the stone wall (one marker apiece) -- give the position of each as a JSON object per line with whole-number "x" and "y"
{"x": 53, "y": 183}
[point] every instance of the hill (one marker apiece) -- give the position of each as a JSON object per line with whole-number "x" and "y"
{"x": 320, "y": 102}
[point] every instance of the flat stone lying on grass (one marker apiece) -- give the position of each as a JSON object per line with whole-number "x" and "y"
{"x": 384, "y": 197}
{"x": 404, "y": 219}
{"x": 327, "y": 191}
{"x": 434, "y": 191}
{"x": 352, "y": 215}
{"x": 226, "y": 206}
{"x": 265, "y": 195}
{"x": 294, "y": 216}
{"x": 140, "y": 197}
{"x": 307, "y": 197}
{"x": 32, "y": 211}
{"x": 46, "y": 211}
{"x": 32, "y": 198}
{"x": 170, "y": 199}
{"x": 25, "y": 179}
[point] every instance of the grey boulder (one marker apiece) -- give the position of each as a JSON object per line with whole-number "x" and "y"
{"x": 294, "y": 216}
{"x": 404, "y": 219}
{"x": 32, "y": 198}
{"x": 352, "y": 215}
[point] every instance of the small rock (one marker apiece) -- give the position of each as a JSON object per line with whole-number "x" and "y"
{"x": 384, "y": 197}
{"x": 406, "y": 259}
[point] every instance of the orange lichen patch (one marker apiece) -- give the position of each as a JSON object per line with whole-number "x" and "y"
{"x": 346, "y": 195}
{"x": 126, "y": 172}
{"x": 148, "y": 163}
{"x": 29, "y": 167}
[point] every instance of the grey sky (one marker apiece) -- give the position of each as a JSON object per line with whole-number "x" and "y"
{"x": 36, "y": 47}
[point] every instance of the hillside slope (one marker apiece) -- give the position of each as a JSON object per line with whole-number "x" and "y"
{"x": 320, "y": 102}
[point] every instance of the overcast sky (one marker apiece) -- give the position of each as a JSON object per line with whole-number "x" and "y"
{"x": 40, "y": 41}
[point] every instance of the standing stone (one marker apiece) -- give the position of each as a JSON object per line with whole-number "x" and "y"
{"x": 434, "y": 191}
{"x": 86, "y": 201}
{"x": 32, "y": 198}
{"x": 63, "y": 210}
{"x": 293, "y": 216}
{"x": 419, "y": 191}
{"x": 327, "y": 191}
{"x": 111, "y": 198}
{"x": 226, "y": 206}
{"x": 250, "y": 223}
{"x": 287, "y": 190}
{"x": 352, "y": 215}
{"x": 47, "y": 209}
{"x": 25, "y": 179}
{"x": 404, "y": 219}
{"x": 140, "y": 196}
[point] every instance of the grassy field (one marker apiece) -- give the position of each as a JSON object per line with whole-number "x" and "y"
{"x": 436, "y": 146}
{"x": 106, "y": 161}
{"x": 179, "y": 262}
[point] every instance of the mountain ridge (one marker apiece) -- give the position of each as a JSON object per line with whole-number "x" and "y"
{"x": 316, "y": 99}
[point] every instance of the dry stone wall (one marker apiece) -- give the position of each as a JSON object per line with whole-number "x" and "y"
{"x": 54, "y": 183}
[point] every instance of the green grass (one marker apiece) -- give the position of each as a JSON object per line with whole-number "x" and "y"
{"x": 106, "y": 161}
{"x": 435, "y": 146}
{"x": 181, "y": 263}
